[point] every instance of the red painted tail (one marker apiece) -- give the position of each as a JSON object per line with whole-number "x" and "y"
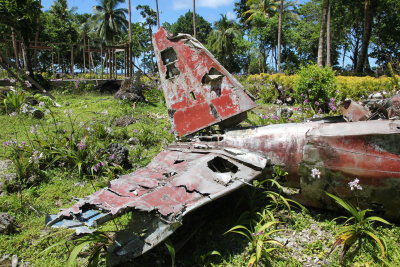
{"x": 199, "y": 91}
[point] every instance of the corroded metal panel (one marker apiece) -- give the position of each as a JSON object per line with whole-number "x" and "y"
{"x": 199, "y": 91}
{"x": 176, "y": 182}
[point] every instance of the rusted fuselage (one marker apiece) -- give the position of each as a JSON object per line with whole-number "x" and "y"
{"x": 187, "y": 175}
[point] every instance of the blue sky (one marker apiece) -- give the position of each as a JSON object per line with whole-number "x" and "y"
{"x": 170, "y": 10}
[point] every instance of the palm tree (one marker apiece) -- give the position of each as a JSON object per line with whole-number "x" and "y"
{"x": 110, "y": 20}
{"x": 264, "y": 10}
{"x": 222, "y": 40}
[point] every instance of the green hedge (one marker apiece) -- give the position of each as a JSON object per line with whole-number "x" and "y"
{"x": 357, "y": 88}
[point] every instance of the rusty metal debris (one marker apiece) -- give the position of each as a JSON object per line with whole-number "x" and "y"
{"x": 198, "y": 90}
{"x": 186, "y": 175}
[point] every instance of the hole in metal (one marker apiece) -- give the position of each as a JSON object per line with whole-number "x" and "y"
{"x": 169, "y": 58}
{"x": 214, "y": 79}
{"x": 222, "y": 165}
{"x": 193, "y": 96}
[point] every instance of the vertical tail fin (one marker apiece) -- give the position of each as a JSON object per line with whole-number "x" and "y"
{"x": 199, "y": 91}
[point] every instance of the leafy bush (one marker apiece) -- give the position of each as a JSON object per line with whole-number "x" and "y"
{"x": 13, "y": 100}
{"x": 315, "y": 87}
{"x": 261, "y": 86}
{"x": 357, "y": 88}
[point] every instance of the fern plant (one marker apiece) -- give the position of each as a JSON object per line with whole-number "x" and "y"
{"x": 96, "y": 243}
{"x": 260, "y": 237}
{"x": 356, "y": 227}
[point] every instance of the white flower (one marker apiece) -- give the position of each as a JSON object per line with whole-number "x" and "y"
{"x": 27, "y": 72}
{"x": 33, "y": 129}
{"x": 108, "y": 130}
{"x": 41, "y": 104}
{"x": 36, "y": 156}
{"x": 104, "y": 112}
{"x": 67, "y": 112}
{"x": 12, "y": 88}
{"x": 28, "y": 84}
{"x": 355, "y": 185}
{"x": 12, "y": 80}
{"x": 315, "y": 173}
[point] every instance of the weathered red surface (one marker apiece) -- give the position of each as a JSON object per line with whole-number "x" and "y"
{"x": 200, "y": 92}
{"x": 170, "y": 185}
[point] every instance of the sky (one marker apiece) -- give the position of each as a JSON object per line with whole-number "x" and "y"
{"x": 170, "y": 10}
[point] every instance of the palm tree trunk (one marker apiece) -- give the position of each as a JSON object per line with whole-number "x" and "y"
{"x": 158, "y": 15}
{"x": 321, "y": 42}
{"x": 129, "y": 58}
{"x": 84, "y": 56}
{"x": 279, "y": 35}
{"x": 328, "y": 36}
{"x": 194, "y": 18}
{"x": 370, "y": 7}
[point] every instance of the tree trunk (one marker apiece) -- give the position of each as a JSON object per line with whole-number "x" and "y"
{"x": 84, "y": 54}
{"x": 194, "y": 18}
{"x": 129, "y": 62}
{"x": 158, "y": 15}
{"x": 321, "y": 41}
{"x": 15, "y": 47}
{"x": 328, "y": 36}
{"x": 279, "y": 35}
{"x": 370, "y": 7}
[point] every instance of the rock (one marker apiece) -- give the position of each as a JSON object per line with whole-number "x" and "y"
{"x": 31, "y": 101}
{"x": 118, "y": 154}
{"x": 133, "y": 141}
{"x": 7, "y": 223}
{"x": 14, "y": 261}
{"x": 130, "y": 90}
{"x": 110, "y": 87}
{"x": 4, "y": 259}
{"x": 124, "y": 121}
{"x": 4, "y": 164}
{"x": 285, "y": 112}
{"x": 37, "y": 114}
{"x": 9, "y": 183}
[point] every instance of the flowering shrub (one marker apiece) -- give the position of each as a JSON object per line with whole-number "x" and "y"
{"x": 315, "y": 87}
{"x": 65, "y": 143}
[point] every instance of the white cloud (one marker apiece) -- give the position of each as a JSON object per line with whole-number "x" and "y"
{"x": 188, "y": 4}
{"x": 231, "y": 15}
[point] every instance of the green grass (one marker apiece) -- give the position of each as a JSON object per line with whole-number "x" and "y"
{"x": 152, "y": 131}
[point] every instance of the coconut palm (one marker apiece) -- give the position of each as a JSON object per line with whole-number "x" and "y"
{"x": 109, "y": 20}
{"x": 221, "y": 39}
{"x": 261, "y": 10}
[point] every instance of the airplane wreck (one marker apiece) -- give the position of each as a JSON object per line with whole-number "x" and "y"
{"x": 188, "y": 174}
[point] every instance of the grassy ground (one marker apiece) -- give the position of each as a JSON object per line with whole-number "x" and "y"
{"x": 308, "y": 236}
